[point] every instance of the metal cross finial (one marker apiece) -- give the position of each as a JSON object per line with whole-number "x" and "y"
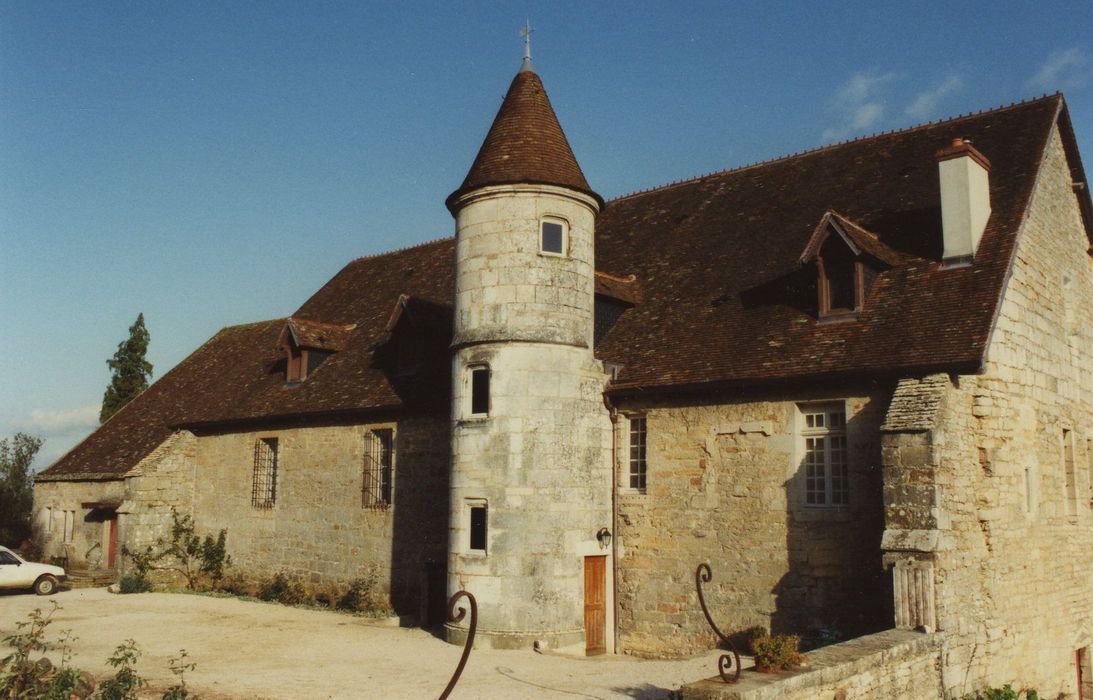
{"x": 525, "y": 32}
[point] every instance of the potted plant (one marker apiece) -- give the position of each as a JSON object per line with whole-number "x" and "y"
{"x": 774, "y": 653}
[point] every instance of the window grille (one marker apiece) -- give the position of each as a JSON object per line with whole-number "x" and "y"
{"x": 264, "y": 485}
{"x": 826, "y": 479}
{"x": 637, "y": 453}
{"x": 379, "y": 463}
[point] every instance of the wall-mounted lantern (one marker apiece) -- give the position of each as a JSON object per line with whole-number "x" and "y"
{"x": 604, "y": 538}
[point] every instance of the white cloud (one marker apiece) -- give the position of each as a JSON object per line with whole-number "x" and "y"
{"x": 859, "y": 104}
{"x": 60, "y": 430}
{"x": 925, "y": 103}
{"x": 59, "y": 421}
{"x": 1063, "y": 69}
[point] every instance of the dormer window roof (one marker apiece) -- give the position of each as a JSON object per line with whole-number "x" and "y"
{"x": 614, "y": 295}
{"x": 847, "y": 258}
{"x": 306, "y": 344}
{"x": 414, "y": 327}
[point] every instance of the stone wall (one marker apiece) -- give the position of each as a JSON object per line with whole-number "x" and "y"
{"x": 894, "y": 665}
{"x": 980, "y": 492}
{"x": 161, "y": 483}
{"x": 90, "y": 533}
{"x": 725, "y": 486}
{"x": 319, "y": 530}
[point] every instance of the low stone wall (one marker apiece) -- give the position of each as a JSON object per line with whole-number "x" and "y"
{"x": 894, "y": 664}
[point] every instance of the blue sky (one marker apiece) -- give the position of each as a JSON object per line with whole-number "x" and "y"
{"x": 215, "y": 163}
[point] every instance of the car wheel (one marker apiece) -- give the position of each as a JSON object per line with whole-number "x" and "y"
{"x": 45, "y": 585}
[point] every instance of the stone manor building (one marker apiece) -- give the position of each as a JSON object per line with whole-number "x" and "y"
{"x": 857, "y": 381}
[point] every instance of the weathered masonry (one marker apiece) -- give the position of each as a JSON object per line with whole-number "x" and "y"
{"x": 858, "y": 382}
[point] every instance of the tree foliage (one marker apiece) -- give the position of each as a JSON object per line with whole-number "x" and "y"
{"x": 129, "y": 369}
{"x": 16, "y": 488}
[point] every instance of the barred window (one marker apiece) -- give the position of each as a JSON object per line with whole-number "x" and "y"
{"x": 264, "y": 487}
{"x": 824, "y": 432}
{"x": 379, "y": 465}
{"x": 637, "y": 453}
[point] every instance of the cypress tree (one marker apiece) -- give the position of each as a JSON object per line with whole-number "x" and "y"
{"x": 130, "y": 371}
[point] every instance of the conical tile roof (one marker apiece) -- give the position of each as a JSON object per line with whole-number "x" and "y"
{"x": 525, "y": 145}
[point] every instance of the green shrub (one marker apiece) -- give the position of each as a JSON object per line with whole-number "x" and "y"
{"x": 21, "y": 674}
{"x": 179, "y": 667}
{"x": 1006, "y": 692}
{"x": 125, "y": 682}
{"x": 364, "y": 595}
{"x": 282, "y": 590}
{"x": 235, "y": 583}
{"x": 134, "y": 583}
{"x": 24, "y": 677}
{"x": 774, "y": 653}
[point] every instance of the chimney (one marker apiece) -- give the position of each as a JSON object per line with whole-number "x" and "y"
{"x": 965, "y": 200}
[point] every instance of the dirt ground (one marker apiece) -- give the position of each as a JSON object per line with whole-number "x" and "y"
{"x": 247, "y": 649}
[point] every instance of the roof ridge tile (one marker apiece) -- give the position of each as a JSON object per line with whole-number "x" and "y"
{"x": 404, "y": 249}
{"x": 831, "y": 146}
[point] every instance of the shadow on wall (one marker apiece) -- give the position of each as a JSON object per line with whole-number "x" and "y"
{"x": 835, "y": 587}
{"x": 419, "y": 508}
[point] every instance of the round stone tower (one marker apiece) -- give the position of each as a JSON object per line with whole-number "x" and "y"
{"x": 531, "y": 475}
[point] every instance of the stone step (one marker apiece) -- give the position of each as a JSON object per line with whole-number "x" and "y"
{"x": 90, "y": 578}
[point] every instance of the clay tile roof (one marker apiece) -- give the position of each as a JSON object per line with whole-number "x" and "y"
{"x": 525, "y": 145}
{"x": 238, "y": 375}
{"x": 723, "y": 297}
{"x": 725, "y": 301}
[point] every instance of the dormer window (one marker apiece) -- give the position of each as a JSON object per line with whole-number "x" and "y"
{"x": 552, "y": 236}
{"x": 307, "y": 344}
{"x": 841, "y": 275}
{"x": 847, "y": 259}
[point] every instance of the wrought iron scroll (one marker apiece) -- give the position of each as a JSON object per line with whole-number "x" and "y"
{"x": 455, "y": 617}
{"x": 727, "y": 666}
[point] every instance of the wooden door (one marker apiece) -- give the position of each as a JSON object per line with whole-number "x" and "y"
{"x": 595, "y": 605}
{"x": 112, "y": 545}
{"x": 1085, "y": 685}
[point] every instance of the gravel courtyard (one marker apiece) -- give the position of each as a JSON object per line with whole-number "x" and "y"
{"x": 248, "y": 649}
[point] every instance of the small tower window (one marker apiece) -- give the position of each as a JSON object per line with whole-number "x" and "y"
{"x": 552, "y": 237}
{"x": 478, "y": 524}
{"x": 480, "y": 390}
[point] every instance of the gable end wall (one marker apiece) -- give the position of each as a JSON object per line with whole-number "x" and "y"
{"x": 1015, "y": 571}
